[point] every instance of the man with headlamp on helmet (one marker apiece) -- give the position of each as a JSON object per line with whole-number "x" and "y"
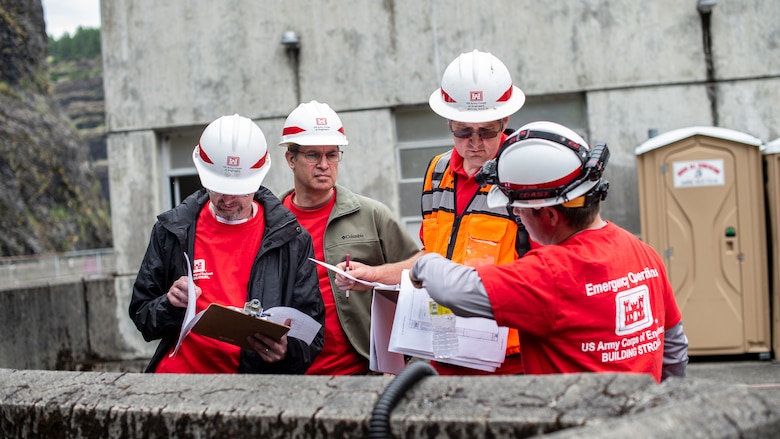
{"x": 243, "y": 244}
{"x": 593, "y": 297}
{"x": 476, "y": 97}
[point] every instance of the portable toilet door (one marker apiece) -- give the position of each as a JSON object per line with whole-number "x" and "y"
{"x": 772, "y": 174}
{"x": 702, "y": 209}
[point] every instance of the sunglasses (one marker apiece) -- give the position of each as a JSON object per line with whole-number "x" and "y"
{"x": 482, "y": 134}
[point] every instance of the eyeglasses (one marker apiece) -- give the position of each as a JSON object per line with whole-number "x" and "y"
{"x": 316, "y": 157}
{"x": 482, "y": 134}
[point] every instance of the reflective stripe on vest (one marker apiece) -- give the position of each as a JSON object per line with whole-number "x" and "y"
{"x": 480, "y": 236}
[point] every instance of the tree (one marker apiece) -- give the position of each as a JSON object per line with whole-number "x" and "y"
{"x": 85, "y": 43}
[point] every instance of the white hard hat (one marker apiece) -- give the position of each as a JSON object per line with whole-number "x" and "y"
{"x": 232, "y": 156}
{"x": 476, "y": 87}
{"x": 313, "y": 124}
{"x": 545, "y": 164}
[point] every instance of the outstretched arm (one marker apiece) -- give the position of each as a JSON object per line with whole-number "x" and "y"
{"x": 389, "y": 274}
{"x": 453, "y": 285}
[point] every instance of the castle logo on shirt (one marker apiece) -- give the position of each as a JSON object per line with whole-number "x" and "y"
{"x": 633, "y": 312}
{"x": 199, "y": 270}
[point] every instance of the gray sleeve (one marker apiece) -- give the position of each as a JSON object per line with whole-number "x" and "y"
{"x": 453, "y": 285}
{"x": 675, "y": 352}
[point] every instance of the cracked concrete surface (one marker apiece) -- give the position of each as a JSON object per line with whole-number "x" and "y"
{"x": 127, "y": 405}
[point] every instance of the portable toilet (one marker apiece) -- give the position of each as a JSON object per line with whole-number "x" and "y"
{"x": 772, "y": 174}
{"x": 702, "y": 209}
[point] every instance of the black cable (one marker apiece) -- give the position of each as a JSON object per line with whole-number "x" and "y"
{"x": 379, "y": 425}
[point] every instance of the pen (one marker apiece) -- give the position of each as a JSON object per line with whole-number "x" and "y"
{"x": 346, "y": 293}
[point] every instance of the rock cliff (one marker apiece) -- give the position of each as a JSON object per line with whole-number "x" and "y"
{"x": 50, "y": 199}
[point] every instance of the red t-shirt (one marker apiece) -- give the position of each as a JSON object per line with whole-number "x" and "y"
{"x": 223, "y": 259}
{"x": 598, "y": 302}
{"x": 337, "y": 357}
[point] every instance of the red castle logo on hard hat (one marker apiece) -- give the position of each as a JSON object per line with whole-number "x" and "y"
{"x": 233, "y": 160}
{"x": 475, "y": 96}
{"x": 322, "y": 121}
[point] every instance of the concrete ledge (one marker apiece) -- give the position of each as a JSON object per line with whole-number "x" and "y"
{"x": 64, "y": 325}
{"x": 116, "y": 405}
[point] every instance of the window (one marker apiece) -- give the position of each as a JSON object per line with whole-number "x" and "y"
{"x": 179, "y": 170}
{"x": 421, "y": 134}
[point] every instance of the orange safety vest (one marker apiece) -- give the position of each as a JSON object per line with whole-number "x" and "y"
{"x": 481, "y": 235}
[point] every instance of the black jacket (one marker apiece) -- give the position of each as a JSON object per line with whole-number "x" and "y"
{"x": 282, "y": 275}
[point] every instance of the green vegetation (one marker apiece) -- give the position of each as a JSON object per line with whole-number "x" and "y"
{"x": 85, "y": 43}
{"x": 6, "y": 90}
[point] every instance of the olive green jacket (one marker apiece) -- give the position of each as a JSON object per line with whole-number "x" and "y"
{"x": 370, "y": 232}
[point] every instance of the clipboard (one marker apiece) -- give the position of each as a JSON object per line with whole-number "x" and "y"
{"x": 232, "y": 326}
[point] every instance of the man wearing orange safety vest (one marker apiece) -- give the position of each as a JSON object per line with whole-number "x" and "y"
{"x": 477, "y": 98}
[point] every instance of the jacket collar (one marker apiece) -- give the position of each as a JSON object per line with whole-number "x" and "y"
{"x": 179, "y": 219}
{"x": 346, "y": 201}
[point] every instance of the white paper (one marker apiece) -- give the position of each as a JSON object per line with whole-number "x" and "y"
{"x": 382, "y": 313}
{"x": 302, "y": 326}
{"x": 189, "y": 314}
{"x": 377, "y": 285}
{"x": 481, "y": 342}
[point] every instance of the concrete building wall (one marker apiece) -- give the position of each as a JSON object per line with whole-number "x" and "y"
{"x": 639, "y": 65}
{"x": 135, "y": 189}
{"x": 184, "y": 63}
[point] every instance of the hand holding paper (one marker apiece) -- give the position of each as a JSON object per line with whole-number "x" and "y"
{"x": 232, "y": 325}
{"x": 178, "y": 293}
{"x": 375, "y": 285}
{"x": 189, "y": 314}
{"x": 269, "y": 348}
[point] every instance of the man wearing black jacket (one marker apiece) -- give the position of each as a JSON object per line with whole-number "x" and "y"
{"x": 243, "y": 244}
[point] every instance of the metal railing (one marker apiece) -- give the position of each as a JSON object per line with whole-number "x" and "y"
{"x": 47, "y": 268}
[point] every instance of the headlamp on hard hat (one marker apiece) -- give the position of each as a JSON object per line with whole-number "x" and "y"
{"x": 593, "y": 168}
{"x": 593, "y": 162}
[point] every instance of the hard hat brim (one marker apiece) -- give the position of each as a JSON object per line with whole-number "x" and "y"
{"x": 447, "y": 111}
{"x": 314, "y": 140}
{"x": 496, "y": 198}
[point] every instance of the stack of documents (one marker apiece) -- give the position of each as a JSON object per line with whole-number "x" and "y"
{"x": 401, "y": 324}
